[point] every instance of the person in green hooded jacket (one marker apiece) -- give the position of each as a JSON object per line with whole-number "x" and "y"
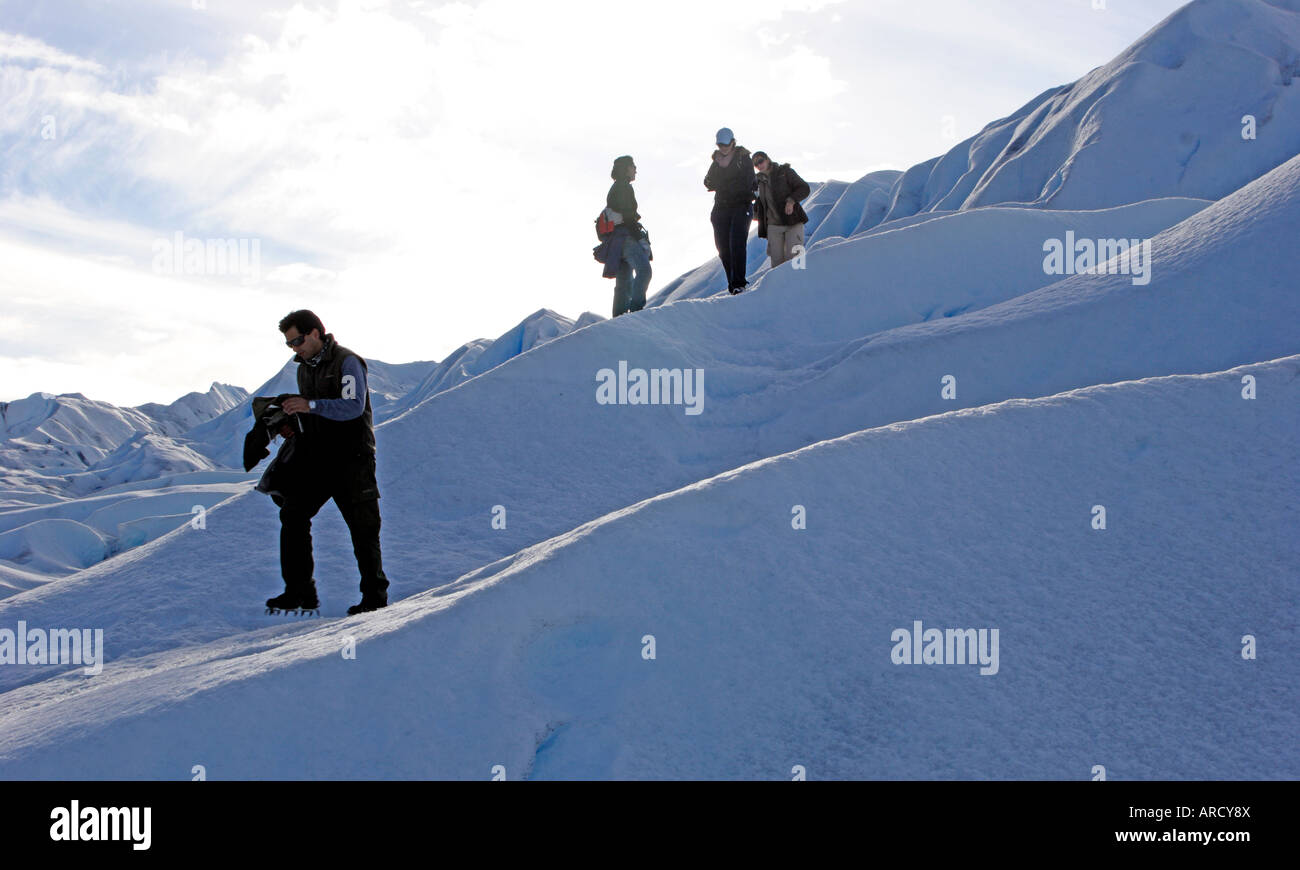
{"x": 629, "y": 249}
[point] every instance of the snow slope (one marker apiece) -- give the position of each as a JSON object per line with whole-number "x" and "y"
{"x": 523, "y": 645}
{"x": 44, "y": 542}
{"x": 1117, "y": 646}
{"x": 140, "y": 458}
{"x": 1222, "y": 294}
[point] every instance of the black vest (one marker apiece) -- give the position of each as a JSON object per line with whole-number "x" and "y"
{"x": 334, "y": 439}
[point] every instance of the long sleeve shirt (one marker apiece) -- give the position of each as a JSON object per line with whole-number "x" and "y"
{"x": 345, "y": 409}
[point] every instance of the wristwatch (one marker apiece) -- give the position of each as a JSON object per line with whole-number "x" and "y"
{"x": 311, "y": 404}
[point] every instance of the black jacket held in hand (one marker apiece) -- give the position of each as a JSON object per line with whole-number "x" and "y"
{"x": 269, "y": 420}
{"x": 732, "y": 185}
{"x": 283, "y": 475}
{"x": 785, "y": 184}
{"x": 333, "y": 440}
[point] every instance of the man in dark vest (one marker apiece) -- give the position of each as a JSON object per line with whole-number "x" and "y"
{"x": 338, "y": 452}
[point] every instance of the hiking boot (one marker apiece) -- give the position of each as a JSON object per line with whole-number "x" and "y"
{"x": 302, "y": 598}
{"x": 368, "y": 603}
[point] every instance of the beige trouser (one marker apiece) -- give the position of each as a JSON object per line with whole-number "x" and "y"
{"x": 781, "y": 242}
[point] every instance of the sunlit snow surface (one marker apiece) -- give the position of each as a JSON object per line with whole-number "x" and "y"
{"x": 631, "y": 526}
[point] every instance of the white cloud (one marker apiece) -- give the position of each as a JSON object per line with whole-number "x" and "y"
{"x": 300, "y": 273}
{"x": 78, "y": 334}
{"x": 43, "y": 217}
{"x": 15, "y": 46}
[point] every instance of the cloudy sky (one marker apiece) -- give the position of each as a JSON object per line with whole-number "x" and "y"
{"x": 425, "y": 173}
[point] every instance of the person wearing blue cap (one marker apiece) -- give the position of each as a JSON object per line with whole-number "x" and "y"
{"x": 731, "y": 178}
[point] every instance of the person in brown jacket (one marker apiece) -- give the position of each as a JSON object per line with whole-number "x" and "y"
{"x": 781, "y": 218}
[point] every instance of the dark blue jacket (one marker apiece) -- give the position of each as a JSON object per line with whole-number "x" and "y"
{"x": 610, "y": 251}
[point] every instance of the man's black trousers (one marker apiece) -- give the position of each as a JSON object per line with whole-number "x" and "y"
{"x": 352, "y": 487}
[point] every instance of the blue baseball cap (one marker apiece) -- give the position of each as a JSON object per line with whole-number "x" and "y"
{"x": 725, "y": 136}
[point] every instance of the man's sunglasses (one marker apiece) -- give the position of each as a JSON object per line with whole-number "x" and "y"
{"x": 296, "y": 342}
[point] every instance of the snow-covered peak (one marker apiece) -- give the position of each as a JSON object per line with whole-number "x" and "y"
{"x": 194, "y": 408}
{"x": 1200, "y": 105}
{"x": 46, "y": 440}
{"x": 476, "y": 357}
{"x": 65, "y": 431}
